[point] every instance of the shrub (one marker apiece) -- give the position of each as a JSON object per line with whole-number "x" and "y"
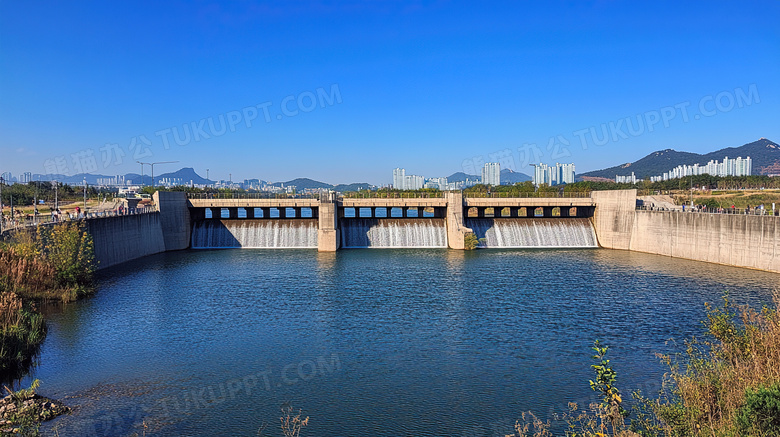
{"x": 761, "y": 413}
{"x": 470, "y": 241}
{"x": 21, "y": 334}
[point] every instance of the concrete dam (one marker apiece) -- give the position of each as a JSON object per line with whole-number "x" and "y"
{"x": 438, "y": 222}
{"x": 605, "y": 219}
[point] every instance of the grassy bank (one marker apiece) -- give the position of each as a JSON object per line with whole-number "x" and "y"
{"x": 726, "y": 384}
{"x": 724, "y": 199}
{"x": 53, "y": 263}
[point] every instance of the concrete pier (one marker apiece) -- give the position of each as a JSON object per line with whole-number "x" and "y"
{"x": 328, "y": 234}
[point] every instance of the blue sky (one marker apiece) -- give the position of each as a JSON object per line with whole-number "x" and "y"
{"x": 435, "y": 87}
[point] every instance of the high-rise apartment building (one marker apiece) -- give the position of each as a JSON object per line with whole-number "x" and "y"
{"x": 413, "y": 182}
{"x": 564, "y": 173}
{"x": 491, "y": 173}
{"x": 399, "y": 177}
{"x": 547, "y": 174}
{"x": 729, "y": 167}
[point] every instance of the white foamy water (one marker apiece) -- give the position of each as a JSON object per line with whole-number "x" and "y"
{"x": 255, "y": 234}
{"x": 385, "y": 233}
{"x": 556, "y": 232}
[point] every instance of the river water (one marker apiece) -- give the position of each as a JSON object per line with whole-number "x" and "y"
{"x": 395, "y": 342}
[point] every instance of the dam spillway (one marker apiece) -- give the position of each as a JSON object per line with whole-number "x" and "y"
{"x": 740, "y": 240}
{"x": 389, "y": 232}
{"x": 533, "y": 233}
{"x": 255, "y": 234}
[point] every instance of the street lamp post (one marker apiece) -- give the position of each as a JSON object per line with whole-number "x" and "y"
{"x": 85, "y": 197}
{"x": 35, "y": 204}
{"x": 142, "y": 173}
{"x": 151, "y": 164}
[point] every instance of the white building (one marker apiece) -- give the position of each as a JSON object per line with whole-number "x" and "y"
{"x": 729, "y": 167}
{"x": 491, "y": 174}
{"x": 565, "y": 173}
{"x": 547, "y": 174}
{"x": 402, "y": 181}
{"x": 413, "y": 182}
{"x": 626, "y": 179}
{"x": 437, "y": 183}
{"x": 542, "y": 174}
{"x": 399, "y": 176}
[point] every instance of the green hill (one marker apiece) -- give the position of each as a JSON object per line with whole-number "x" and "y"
{"x": 764, "y": 153}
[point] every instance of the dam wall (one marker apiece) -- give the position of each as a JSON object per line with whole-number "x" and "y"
{"x": 174, "y": 218}
{"x": 748, "y": 241}
{"x": 738, "y": 240}
{"x": 124, "y": 238}
{"x": 732, "y": 239}
{"x": 613, "y": 218}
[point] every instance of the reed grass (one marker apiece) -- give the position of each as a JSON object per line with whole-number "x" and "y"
{"x": 52, "y": 264}
{"x": 726, "y": 384}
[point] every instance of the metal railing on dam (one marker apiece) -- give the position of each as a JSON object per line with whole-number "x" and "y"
{"x": 530, "y": 195}
{"x": 243, "y": 195}
{"x": 708, "y": 210}
{"x": 379, "y": 194}
{"x": 25, "y": 221}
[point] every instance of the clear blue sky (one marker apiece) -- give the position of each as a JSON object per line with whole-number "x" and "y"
{"x": 434, "y": 87}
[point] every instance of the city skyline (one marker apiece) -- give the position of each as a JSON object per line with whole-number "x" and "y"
{"x": 561, "y": 173}
{"x": 340, "y": 89}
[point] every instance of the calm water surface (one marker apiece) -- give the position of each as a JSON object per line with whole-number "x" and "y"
{"x": 367, "y": 342}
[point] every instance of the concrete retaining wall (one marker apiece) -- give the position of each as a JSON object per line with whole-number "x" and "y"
{"x": 174, "y": 218}
{"x": 614, "y": 217}
{"x": 735, "y": 240}
{"x": 124, "y": 238}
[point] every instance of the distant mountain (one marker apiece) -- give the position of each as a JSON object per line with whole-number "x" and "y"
{"x": 508, "y": 177}
{"x": 342, "y": 188}
{"x": 764, "y": 153}
{"x": 186, "y": 175}
{"x": 303, "y": 184}
{"x": 137, "y": 179}
{"x": 461, "y": 177}
{"x": 511, "y": 177}
{"x": 76, "y": 179}
{"x": 310, "y": 184}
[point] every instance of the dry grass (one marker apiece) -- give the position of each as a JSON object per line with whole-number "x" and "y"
{"x": 726, "y": 385}
{"x": 710, "y": 381}
{"x": 531, "y": 426}
{"x": 10, "y": 308}
{"x": 52, "y": 263}
{"x": 28, "y": 277}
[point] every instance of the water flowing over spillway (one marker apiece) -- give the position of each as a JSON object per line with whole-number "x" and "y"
{"x": 376, "y": 233}
{"x": 554, "y": 232}
{"x": 254, "y": 234}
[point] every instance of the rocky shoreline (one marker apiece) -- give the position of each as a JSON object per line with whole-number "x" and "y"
{"x": 16, "y": 409}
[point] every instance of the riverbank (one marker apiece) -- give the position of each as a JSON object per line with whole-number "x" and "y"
{"x": 22, "y": 411}
{"x": 47, "y": 264}
{"x": 724, "y": 384}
